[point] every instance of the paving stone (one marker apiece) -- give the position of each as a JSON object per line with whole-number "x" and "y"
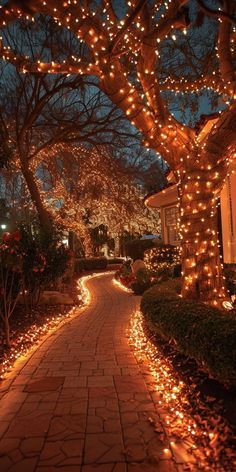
{"x": 73, "y": 448}
{"x": 111, "y": 467}
{"x": 104, "y": 381}
{"x": 8, "y": 445}
{"x": 61, "y": 427}
{"x": 26, "y": 465}
{"x": 47, "y": 384}
{"x": 81, "y": 402}
{"x": 26, "y": 428}
{"x": 52, "y": 453}
{"x": 32, "y": 446}
{"x": 103, "y": 447}
{"x": 16, "y": 456}
{"x": 94, "y": 424}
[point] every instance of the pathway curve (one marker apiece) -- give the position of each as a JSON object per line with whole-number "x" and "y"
{"x": 80, "y": 403}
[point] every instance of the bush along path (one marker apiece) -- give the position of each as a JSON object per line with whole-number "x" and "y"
{"x": 186, "y": 344}
{"x": 88, "y": 399}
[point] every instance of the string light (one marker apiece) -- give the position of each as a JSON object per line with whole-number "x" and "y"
{"x": 187, "y": 151}
{"x": 29, "y": 341}
{"x": 200, "y": 438}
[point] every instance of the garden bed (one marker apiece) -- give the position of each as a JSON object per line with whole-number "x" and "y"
{"x": 199, "y": 331}
{"x": 208, "y": 403}
{"x": 28, "y": 328}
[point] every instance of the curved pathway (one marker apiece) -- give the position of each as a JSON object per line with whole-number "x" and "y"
{"x": 80, "y": 402}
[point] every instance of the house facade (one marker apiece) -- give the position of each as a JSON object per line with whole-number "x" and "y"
{"x": 167, "y": 202}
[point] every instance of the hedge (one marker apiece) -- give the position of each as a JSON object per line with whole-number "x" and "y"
{"x": 91, "y": 263}
{"x": 204, "y": 333}
{"x": 116, "y": 260}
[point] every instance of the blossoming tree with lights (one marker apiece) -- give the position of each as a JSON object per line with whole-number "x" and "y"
{"x": 140, "y": 53}
{"x": 40, "y": 111}
{"x": 94, "y": 181}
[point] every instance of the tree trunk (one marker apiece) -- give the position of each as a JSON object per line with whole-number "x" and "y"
{"x": 201, "y": 264}
{"x": 43, "y": 215}
{"x": 7, "y": 331}
{"x": 117, "y": 245}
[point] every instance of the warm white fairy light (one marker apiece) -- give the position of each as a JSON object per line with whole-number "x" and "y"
{"x": 119, "y": 284}
{"x": 28, "y": 342}
{"x": 185, "y": 149}
{"x": 201, "y": 437}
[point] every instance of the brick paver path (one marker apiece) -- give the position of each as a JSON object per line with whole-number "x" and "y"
{"x": 80, "y": 403}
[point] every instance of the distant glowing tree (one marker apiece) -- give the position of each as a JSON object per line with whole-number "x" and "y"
{"x": 90, "y": 180}
{"x": 154, "y": 59}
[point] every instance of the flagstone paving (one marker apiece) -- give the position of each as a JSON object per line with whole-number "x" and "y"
{"x": 80, "y": 402}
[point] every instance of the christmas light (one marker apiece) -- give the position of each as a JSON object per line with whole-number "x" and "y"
{"x": 200, "y": 436}
{"x": 202, "y": 153}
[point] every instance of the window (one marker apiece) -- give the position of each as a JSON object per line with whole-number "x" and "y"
{"x": 171, "y": 223}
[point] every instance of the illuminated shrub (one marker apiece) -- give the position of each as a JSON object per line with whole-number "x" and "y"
{"x": 163, "y": 261}
{"x": 29, "y": 262}
{"x": 202, "y": 332}
{"x": 44, "y": 262}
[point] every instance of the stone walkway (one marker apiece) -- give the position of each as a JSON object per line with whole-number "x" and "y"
{"x": 80, "y": 403}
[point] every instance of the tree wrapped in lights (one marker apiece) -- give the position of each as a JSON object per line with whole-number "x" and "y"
{"x": 40, "y": 111}
{"x": 89, "y": 181}
{"x": 139, "y": 58}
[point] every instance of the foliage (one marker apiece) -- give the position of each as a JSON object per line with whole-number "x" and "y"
{"x": 10, "y": 277}
{"x": 115, "y": 260}
{"x": 99, "y": 236}
{"x": 126, "y": 268}
{"x": 162, "y": 254}
{"x": 142, "y": 281}
{"x": 92, "y": 263}
{"x": 145, "y": 278}
{"x": 136, "y": 248}
{"x": 202, "y": 332}
{"x": 163, "y": 261}
{"x": 155, "y": 61}
{"x": 45, "y": 260}
{"x": 124, "y": 274}
{"x": 30, "y": 261}
{"x": 230, "y": 279}
{"x": 170, "y": 285}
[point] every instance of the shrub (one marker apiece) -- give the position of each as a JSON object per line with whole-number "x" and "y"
{"x": 136, "y": 248}
{"x": 29, "y": 261}
{"x": 115, "y": 260}
{"x": 45, "y": 260}
{"x": 164, "y": 271}
{"x": 202, "y": 332}
{"x": 164, "y": 261}
{"x": 173, "y": 285}
{"x": 163, "y": 253}
{"x": 177, "y": 268}
{"x": 11, "y": 280}
{"x": 92, "y": 263}
{"x": 230, "y": 279}
{"x": 142, "y": 281}
{"x": 124, "y": 270}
